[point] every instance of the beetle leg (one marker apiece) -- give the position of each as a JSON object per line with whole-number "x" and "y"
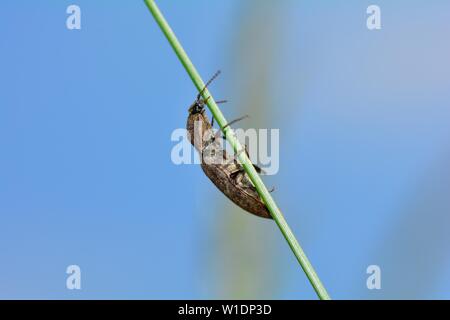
{"x": 235, "y": 120}
{"x": 237, "y": 174}
{"x": 257, "y": 168}
{"x": 218, "y": 133}
{"x": 234, "y": 174}
{"x": 217, "y": 102}
{"x": 235, "y": 157}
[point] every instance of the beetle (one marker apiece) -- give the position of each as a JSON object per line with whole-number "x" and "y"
{"x": 221, "y": 168}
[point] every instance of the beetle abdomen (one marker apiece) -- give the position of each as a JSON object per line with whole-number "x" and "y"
{"x": 245, "y": 197}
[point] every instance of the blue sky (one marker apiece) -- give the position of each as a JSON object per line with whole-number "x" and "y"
{"x": 85, "y": 123}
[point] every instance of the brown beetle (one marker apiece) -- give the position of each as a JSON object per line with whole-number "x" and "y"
{"x": 222, "y": 169}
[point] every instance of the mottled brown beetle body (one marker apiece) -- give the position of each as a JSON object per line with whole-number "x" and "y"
{"x": 241, "y": 193}
{"x": 227, "y": 175}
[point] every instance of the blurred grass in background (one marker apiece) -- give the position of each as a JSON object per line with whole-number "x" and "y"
{"x": 244, "y": 265}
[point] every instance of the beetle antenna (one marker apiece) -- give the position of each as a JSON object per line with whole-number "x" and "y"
{"x": 208, "y": 83}
{"x": 235, "y": 120}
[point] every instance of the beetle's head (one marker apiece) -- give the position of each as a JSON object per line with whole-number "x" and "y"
{"x": 198, "y": 106}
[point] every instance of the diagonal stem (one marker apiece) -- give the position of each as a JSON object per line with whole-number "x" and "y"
{"x": 242, "y": 156}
